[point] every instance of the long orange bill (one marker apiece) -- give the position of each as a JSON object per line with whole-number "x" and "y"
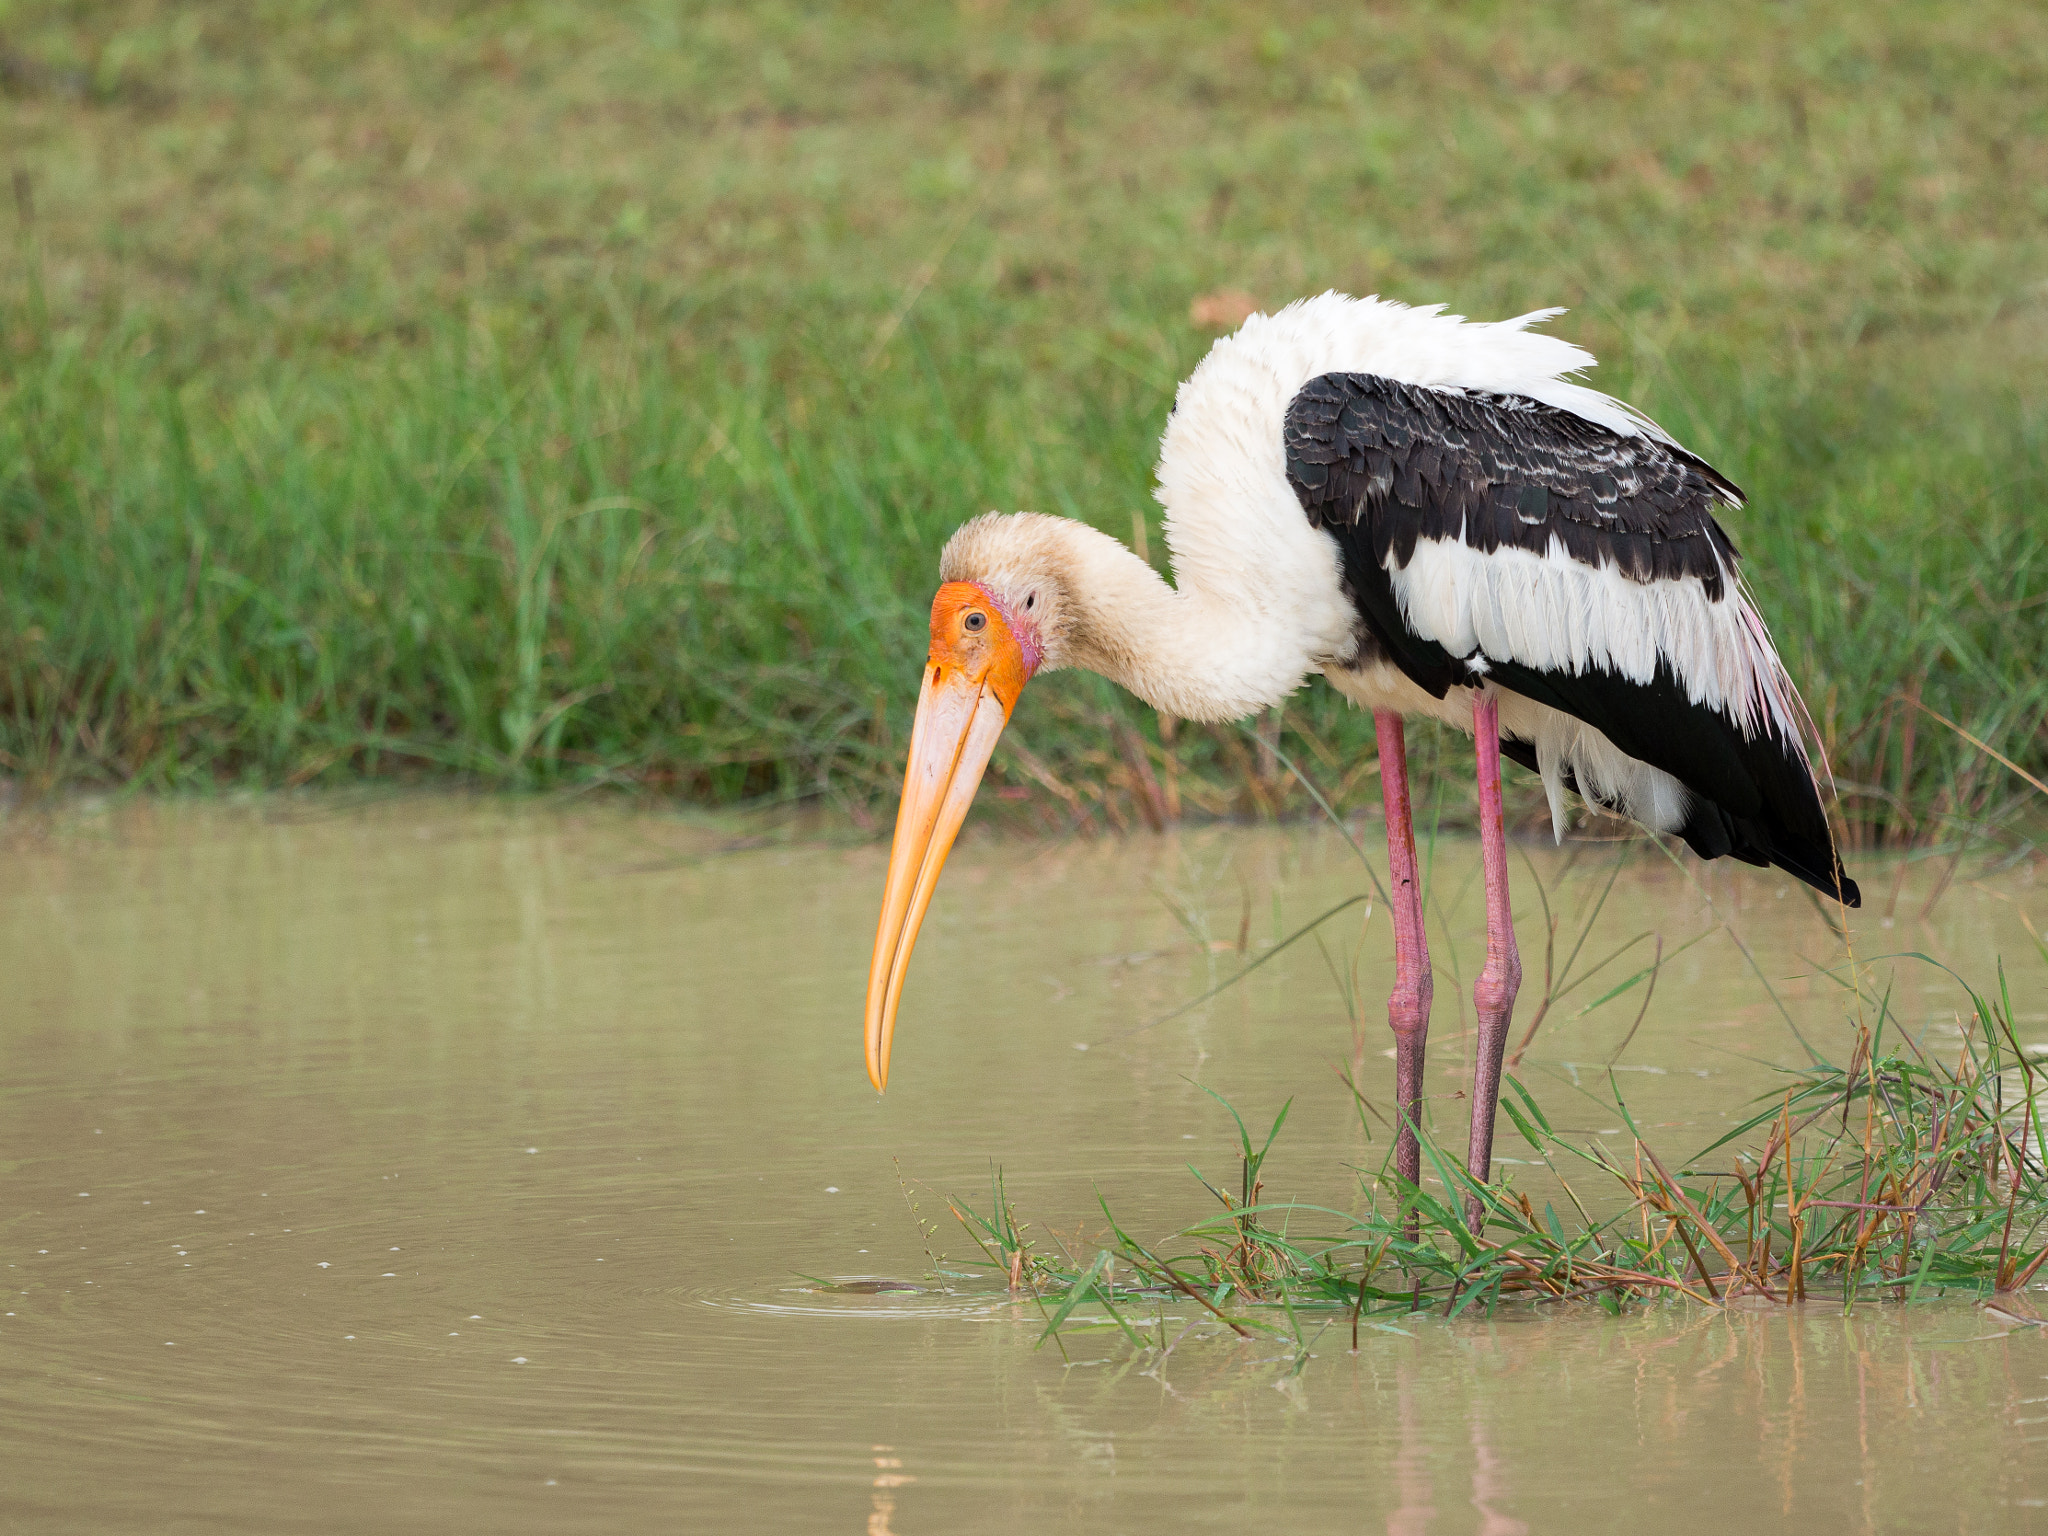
{"x": 975, "y": 672}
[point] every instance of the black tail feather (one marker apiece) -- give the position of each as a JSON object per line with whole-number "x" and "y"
{"x": 1754, "y": 798}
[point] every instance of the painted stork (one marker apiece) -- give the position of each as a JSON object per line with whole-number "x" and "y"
{"x": 1430, "y": 513}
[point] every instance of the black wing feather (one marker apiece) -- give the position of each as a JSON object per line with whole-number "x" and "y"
{"x": 1498, "y": 470}
{"x": 1382, "y": 464}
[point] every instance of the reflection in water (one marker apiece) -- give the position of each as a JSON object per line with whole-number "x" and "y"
{"x": 467, "y": 1163}
{"x": 888, "y": 1478}
{"x": 1411, "y": 1464}
{"x": 1489, "y": 1487}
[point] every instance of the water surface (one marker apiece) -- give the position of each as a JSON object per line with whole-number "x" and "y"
{"x": 440, "y": 1165}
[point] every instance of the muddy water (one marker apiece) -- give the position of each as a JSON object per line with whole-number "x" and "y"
{"x": 449, "y": 1166}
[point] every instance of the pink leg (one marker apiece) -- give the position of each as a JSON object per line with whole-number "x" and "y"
{"x": 1408, "y": 1008}
{"x": 1493, "y": 995}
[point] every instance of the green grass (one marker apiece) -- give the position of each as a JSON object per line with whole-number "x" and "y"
{"x": 1895, "y": 1177}
{"x": 558, "y": 394}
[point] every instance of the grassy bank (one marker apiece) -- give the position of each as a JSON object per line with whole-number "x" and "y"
{"x": 551, "y": 394}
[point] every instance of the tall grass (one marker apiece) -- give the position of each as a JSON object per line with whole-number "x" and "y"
{"x": 556, "y": 395}
{"x": 541, "y": 562}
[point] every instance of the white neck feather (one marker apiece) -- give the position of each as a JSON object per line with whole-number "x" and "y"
{"x": 1237, "y": 635}
{"x": 1219, "y": 647}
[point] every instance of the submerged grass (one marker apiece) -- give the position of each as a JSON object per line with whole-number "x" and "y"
{"x": 556, "y": 394}
{"x": 1894, "y": 1177}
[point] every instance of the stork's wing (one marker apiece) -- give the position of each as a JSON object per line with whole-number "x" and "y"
{"x": 1495, "y": 537}
{"x": 1502, "y": 471}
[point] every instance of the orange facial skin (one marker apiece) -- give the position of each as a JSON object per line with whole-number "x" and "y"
{"x": 976, "y": 669}
{"x": 972, "y": 635}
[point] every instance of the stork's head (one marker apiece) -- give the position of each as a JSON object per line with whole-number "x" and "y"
{"x": 1005, "y": 612}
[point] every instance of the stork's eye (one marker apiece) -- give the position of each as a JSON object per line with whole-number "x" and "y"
{"x": 1031, "y": 601}
{"x": 974, "y": 622}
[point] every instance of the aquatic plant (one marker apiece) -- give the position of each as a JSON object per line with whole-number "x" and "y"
{"x": 1896, "y": 1176}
